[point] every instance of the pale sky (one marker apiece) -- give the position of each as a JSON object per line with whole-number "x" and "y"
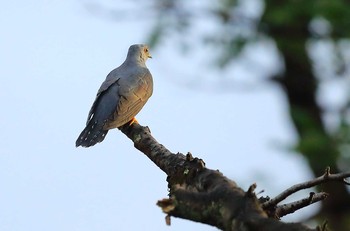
{"x": 54, "y": 56}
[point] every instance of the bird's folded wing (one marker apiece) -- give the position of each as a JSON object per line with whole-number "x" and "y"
{"x": 132, "y": 97}
{"x": 103, "y": 89}
{"x": 105, "y": 104}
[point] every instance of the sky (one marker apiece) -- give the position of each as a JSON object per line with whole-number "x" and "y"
{"x": 54, "y": 56}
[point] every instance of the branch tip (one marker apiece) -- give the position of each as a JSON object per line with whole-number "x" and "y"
{"x": 311, "y": 196}
{"x": 166, "y": 205}
{"x": 323, "y": 227}
{"x": 261, "y": 191}
{"x": 189, "y": 156}
{"x": 168, "y": 220}
{"x": 323, "y": 195}
{"x": 147, "y": 129}
{"x": 251, "y": 189}
{"x": 201, "y": 164}
{"x": 346, "y": 181}
{"x": 327, "y": 172}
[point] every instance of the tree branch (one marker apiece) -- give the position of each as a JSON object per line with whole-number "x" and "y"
{"x": 205, "y": 195}
{"x": 327, "y": 176}
{"x": 289, "y": 208}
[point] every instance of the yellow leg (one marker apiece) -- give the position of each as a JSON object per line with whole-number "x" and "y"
{"x": 133, "y": 121}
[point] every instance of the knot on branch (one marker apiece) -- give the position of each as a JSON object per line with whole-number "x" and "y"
{"x": 185, "y": 171}
{"x": 250, "y": 192}
{"x": 167, "y": 205}
{"x": 327, "y": 172}
{"x": 134, "y": 130}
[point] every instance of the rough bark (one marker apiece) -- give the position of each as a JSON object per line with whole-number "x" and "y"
{"x": 204, "y": 195}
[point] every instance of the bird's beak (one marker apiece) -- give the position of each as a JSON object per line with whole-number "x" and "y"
{"x": 150, "y": 56}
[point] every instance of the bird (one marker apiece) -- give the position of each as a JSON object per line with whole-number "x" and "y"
{"x": 120, "y": 97}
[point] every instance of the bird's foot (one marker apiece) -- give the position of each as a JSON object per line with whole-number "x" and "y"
{"x": 133, "y": 121}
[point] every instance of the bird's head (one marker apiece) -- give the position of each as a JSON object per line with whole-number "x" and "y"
{"x": 140, "y": 52}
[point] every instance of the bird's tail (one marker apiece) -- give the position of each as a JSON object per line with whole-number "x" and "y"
{"x": 91, "y": 135}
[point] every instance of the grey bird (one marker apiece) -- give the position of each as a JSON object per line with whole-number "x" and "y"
{"x": 120, "y": 97}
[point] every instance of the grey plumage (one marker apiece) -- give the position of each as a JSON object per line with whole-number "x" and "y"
{"x": 120, "y": 97}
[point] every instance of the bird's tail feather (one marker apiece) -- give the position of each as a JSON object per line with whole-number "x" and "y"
{"x": 91, "y": 135}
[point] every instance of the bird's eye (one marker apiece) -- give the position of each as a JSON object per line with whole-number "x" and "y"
{"x": 146, "y": 50}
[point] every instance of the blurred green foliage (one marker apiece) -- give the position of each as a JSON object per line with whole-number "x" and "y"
{"x": 293, "y": 26}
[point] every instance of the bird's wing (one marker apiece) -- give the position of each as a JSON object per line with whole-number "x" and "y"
{"x": 105, "y": 104}
{"x": 133, "y": 94}
{"x": 112, "y": 78}
{"x": 118, "y": 101}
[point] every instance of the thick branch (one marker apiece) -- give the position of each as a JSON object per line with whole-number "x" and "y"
{"x": 204, "y": 195}
{"x": 144, "y": 141}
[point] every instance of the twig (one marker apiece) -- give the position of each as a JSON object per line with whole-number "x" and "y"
{"x": 327, "y": 176}
{"x": 289, "y": 208}
{"x": 323, "y": 227}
